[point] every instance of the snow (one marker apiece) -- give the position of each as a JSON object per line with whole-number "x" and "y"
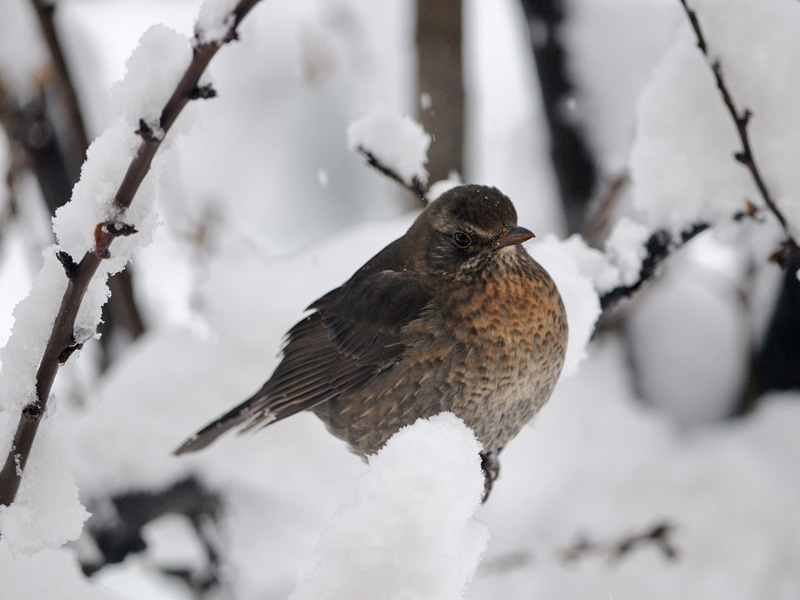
{"x": 754, "y": 42}
{"x": 411, "y": 531}
{"x": 12, "y": 271}
{"x": 626, "y": 248}
{"x": 48, "y": 574}
{"x": 562, "y": 259}
{"x": 253, "y": 234}
{"x": 145, "y": 90}
{"x": 397, "y": 141}
{"x": 215, "y": 20}
{"x": 682, "y": 164}
{"x": 46, "y": 513}
{"x": 699, "y": 382}
{"x": 172, "y": 541}
{"x": 605, "y": 466}
{"x": 682, "y": 179}
{"x": 33, "y": 319}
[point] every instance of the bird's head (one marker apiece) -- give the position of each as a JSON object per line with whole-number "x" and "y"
{"x": 468, "y": 228}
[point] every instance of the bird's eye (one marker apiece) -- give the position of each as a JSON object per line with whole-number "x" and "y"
{"x": 461, "y": 239}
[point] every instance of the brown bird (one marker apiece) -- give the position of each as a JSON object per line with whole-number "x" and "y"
{"x": 453, "y": 316}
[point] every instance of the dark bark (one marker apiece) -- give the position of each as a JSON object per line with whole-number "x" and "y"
{"x": 573, "y": 163}
{"x": 777, "y": 361}
{"x": 439, "y": 71}
{"x": 118, "y": 537}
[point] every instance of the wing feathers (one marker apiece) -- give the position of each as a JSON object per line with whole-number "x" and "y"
{"x": 355, "y": 333}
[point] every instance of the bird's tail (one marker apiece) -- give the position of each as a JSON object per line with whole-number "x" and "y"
{"x": 246, "y": 416}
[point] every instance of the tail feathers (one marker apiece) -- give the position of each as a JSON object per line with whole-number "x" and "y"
{"x": 243, "y": 415}
{"x": 252, "y": 414}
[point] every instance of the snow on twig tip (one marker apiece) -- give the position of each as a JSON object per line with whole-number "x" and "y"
{"x": 394, "y": 144}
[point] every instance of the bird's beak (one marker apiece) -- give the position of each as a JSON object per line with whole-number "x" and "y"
{"x": 513, "y": 236}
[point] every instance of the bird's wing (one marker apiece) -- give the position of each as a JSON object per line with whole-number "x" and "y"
{"x": 354, "y": 334}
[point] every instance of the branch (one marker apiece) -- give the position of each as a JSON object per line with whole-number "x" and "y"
{"x": 416, "y": 187}
{"x": 741, "y": 119}
{"x": 44, "y": 12}
{"x": 660, "y": 245}
{"x": 62, "y": 342}
{"x": 658, "y": 535}
{"x": 65, "y": 158}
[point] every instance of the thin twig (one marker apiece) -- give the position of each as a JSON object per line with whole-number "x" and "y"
{"x": 416, "y": 187}
{"x": 661, "y": 244}
{"x": 741, "y": 119}
{"x": 62, "y": 341}
{"x": 658, "y": 535}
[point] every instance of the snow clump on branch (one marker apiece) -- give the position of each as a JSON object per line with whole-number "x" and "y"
{"x": 411, "y": 532}
{"x": 397, "y": 142}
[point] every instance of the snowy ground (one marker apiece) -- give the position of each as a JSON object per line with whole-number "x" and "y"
{"x": 296, "y": 214}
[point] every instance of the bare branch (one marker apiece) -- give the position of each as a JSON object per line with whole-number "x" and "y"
{"x": 658, "y": 535}
{"x": 416, "y": 187}
{"x": 741, "y": 119}
{"x": 62, "y": 343}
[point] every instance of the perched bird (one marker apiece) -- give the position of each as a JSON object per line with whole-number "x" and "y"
{"x": 453, "y": 316}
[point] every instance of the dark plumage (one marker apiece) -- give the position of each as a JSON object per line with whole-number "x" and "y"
{"x": 453, "y": 316}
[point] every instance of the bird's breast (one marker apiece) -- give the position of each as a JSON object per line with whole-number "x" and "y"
{"x": 509, "y": 333}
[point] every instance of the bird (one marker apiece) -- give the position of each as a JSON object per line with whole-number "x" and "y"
{"x": 455, "y": 316}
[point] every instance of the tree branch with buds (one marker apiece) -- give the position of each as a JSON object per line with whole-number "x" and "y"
{"x": 62, "y": 342}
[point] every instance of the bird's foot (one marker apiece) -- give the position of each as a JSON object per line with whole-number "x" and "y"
{"x": 491, "y": 471}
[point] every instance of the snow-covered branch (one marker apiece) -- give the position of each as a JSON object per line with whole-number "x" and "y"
{"x": 416, "y": 187}
{"x": 217, "y": 25}
{"x": 741, "y": 119}
{"x": 394, "y": 145}
{"x": 660, "y": 245}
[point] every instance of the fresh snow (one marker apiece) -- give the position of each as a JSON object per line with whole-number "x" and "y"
{"x": 214, "y": 20}
{"x": 49, "y": 513}
{"x": 264, "y": 211}
{"x": 396, "y": 141}
{"x": 411, "y": 531}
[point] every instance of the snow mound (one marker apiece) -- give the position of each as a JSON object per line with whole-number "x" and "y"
{"x": 411, "y": 531}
